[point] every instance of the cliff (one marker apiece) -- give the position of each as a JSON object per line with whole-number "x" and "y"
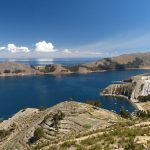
{"x": 134, "y": 88}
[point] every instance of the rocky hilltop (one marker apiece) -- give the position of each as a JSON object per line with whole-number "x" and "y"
{"x": 136, "y": 89}
{"x": 42, "y": 128}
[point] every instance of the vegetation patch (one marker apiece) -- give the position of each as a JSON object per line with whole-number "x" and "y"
{"x": 124, "y": 113}
{"x": 87, "y": 126}
{"x": 4, "y": 133}
{"x": 38, "y": 133}
{"x": 144, "y": 98}
{"x": 94, "y": 103}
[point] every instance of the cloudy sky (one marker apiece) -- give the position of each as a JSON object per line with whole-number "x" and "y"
{"x": 73, "y": 28}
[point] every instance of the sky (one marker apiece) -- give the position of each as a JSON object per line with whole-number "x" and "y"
{"x": 73, "y": 28}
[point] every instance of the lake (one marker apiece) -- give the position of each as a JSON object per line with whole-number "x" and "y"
{"x": 34, "y": 91}
{"x": 38, "y": 61}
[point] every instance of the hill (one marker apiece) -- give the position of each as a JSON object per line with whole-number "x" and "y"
{"x": 39, "y": 129}
{"x": 73, "y": 126}
{"x": 16, "y": 69}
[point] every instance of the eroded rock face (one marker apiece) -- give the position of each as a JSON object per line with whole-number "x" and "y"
{"x": 63, "y": 121}
{"x": 138, "y": 86}
{"x": 124, "y": 89}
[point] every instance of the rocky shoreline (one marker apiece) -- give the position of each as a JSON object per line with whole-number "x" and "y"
{"x": 131, "y": 90}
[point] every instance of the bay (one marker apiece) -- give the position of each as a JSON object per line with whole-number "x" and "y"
{"x": 35, "y": 91}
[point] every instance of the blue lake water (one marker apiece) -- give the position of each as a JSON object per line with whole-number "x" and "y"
{"x": 47, "y": 90}
{"x": 36, "y": 61}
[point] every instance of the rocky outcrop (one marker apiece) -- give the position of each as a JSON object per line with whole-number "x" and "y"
{"x": 124, "y": 89}
{"x": 132, "y": 89}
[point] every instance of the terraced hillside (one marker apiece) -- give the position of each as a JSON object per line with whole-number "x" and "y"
{"x": 40, "y": 129}
{"x": 74, "y": 126}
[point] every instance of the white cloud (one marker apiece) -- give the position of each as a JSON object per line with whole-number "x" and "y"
{"x": 43, "y": 46}
{"x": 67, "y": 51}
{"x": 14, "y": 49}
{"x": 2, "y": 48}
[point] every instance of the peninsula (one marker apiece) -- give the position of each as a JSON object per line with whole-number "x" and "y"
{"x": 128, "y": 61}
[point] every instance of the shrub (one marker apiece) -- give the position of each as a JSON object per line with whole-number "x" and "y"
{"x": 68, "y": 144}
{"x": 49, "y": 68}
{"x": 4, "y": 133}
{"x": 143, "y": 114}
{"x": 87, "y": 126}
{"x": 94, "y": 103}
{"x": 38, "y": 133}
{"x": 144, "y": 98}
{"x": 124, "y": 113}
{"x": 18, "y": 71}
{"x": 57, "y": 117}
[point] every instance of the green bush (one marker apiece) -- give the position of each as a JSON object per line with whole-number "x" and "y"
{"x": 38, "y": 133}
{"x": 68, "y": 144}
{"x": 143, "y": 114}
{"x": 94, "y": 103}
{"x": 124, "y": 113}
{"x": 87, "y": 126}
{"x": 4, "y": 133}
{"x": 57, "y": 117}
{"x": 144, "y": 98}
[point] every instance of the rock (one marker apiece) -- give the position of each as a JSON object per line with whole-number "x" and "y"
{"x": 138, "y": 86}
